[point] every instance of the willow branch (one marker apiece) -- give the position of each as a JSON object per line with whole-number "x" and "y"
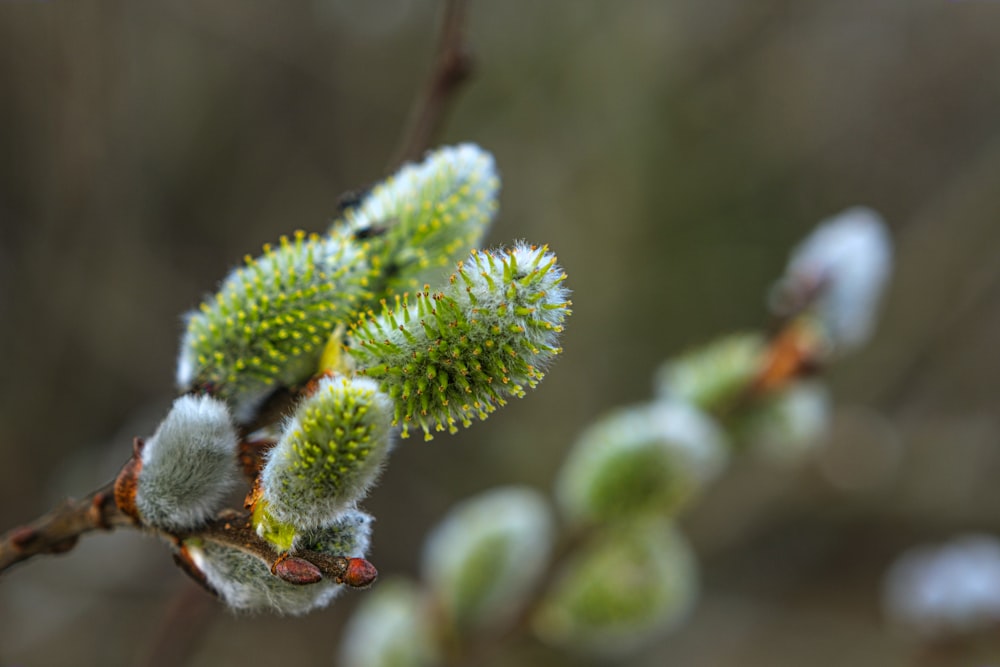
{"x": 59, "y": 530}
{"x": 452, "y": 68}
{"x": 234, "y": 529}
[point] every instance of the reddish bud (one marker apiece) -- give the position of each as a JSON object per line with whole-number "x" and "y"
{"x": 359, "y": 573}
{"x": 296, "y": 571}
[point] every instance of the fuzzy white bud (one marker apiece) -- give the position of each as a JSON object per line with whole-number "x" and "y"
{"x": 650, "y": 458}
{"x": 951, "y": 589}
{"x": 840, "y": 270}
{"x": 188, "y": 466}
{"x": 487, "y": 553}
{"x": 390, "y": 628}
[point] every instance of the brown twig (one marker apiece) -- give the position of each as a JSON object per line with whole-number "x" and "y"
{"x": 234, "y": 529}
{"x": 59, "y": 530}
{"x": 452, "y": 68}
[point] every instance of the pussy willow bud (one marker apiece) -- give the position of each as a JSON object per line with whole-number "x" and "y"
{"x": 188, "y": 466}
{"x": 246, "y": 583}
{"x": 946, "y": 591}
{"x": 714, "y": 376}
{"x": 390, "y": 628}
{"x": 788, "y": 424}
{"x": 647, "y": 459}
{"x": 418, "y": 223}
{"x": 330, "y": 452}
{"x": 268, "y": 323}
{"x": 447, "y": 357}
{"x": 837, "y": 274}
{"x": 487, "y": 554}
{"x": 633, "y": 583}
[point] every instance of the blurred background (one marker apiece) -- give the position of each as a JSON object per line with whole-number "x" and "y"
{"x": 670, "y": 151}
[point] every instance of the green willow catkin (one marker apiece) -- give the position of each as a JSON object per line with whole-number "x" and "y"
{"x": 632, "y": 582}
{"x": 714, "y": 377}
{"x": 391, "y": 627}
{"x": 652, "y": 458}
{"x": 449, "y": 356}
{"x": 483, "y": 559}
{"x": 416, "y": 224}
{"x": 329, "y": 454}
{"x": 270, "y": 320}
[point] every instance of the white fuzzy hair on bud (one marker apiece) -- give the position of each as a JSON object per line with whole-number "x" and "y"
{"x": 841, "y": 270}
{"x": 427, "y": 216}
{"x": 935, "y": 592}
{"x": 246, "y": 583}
{"x": 189, "y": 465}
{"x": 654, "y": 457}
{"x": 330, "y": 452}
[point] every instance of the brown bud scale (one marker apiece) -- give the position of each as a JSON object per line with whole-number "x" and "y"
{"x": 127, "y": 483}
{"x": 359, "y": 574}
{"x": 296, "y": 571}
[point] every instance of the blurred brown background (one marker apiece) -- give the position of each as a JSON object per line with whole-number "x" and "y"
{"x": 670, "y": 152}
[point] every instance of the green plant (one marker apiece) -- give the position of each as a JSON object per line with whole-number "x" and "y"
{"x": 307, "y": 362}
{"x": 617, "y": 572}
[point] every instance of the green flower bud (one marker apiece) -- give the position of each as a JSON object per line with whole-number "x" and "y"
{"x": 712, "y": 377}
{"x": 245, "y": 582}
{"x": 426, "y": 217}
{"x": 787, "y": 425}
{"x": 650, "y": 458}
{"x": 458, "y": 354}
{"x": 267, "y": 325}
{"x": 388, "y": 629}
{"x": 486, "y": 555}
{"x": 329, "y": 454}
{"x": 188, "y": 466}
{"x": 633, "y": 583}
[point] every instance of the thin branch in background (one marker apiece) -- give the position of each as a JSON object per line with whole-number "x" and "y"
{"x": 452, "y": 68}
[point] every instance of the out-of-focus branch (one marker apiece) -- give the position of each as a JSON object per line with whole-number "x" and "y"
{"x": 452, "y": 68}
